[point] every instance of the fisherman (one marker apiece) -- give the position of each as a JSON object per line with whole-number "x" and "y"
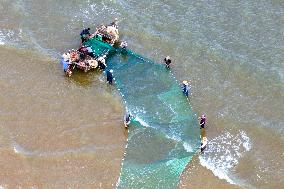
{"x": 202, "y": 121}
{"x": 168, "y": 61}
{"x": 127, "y": 118}
{"x": 85, "y": 33}
{"x": 66, "y": 57}
{"x": 123, "y": 45}
{"x": 185, "y": 88}
{"x": 109, "y": 76}
{"x": 66, "y": 67}
{"x": 102, "y": 62}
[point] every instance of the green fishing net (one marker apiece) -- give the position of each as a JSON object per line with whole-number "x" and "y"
{"x": 164, "y": 133}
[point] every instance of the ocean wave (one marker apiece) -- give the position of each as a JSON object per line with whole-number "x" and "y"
{"x": 18, "y": 149}
{"x": 224, "y": 152}
{"x": 141, "y": 121}
{"x": 2, "y": 37}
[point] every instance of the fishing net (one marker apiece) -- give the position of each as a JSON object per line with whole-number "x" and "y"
{"x": 164, "y": 134}
{"x": 99, "y": 48}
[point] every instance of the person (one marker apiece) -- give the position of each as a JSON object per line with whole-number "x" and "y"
{"x": 203, "y": 144}
{"x": 123, "y": 45}
{"x": 127, "y": 119}
{"x": 67, "y": 67}
{"x": 202, "y": 121}
{"x": 109, "y": 76}
{"x": 185, "y": 88}
{"x": 85, "y": 33}
{"x": 66, "y": 57}
{"x": 168, "y": 61}
{"x": 102, "y": 62}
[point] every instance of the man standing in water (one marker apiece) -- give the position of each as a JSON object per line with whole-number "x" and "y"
{"x": 109, "y": 76}
{"x": 203, "y": 134}
{"x": 202, "y": 121}
{"x": 102, "y": 62}
{"x": 186, "y": 88}
{"x": 127, "y": 118}
{"x": 85, "y": 33}
{"x": 168, "y": 61}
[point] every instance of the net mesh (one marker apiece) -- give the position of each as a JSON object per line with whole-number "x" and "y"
{"x": 99, "y": 48}
{"x": 164, "y": 134}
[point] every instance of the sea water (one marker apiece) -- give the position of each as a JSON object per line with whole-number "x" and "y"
{"x": 57, "y": 132}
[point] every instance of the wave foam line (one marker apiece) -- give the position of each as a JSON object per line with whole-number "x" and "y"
{"x": 224, "y": 152}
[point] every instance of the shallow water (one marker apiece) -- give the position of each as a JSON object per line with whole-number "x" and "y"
{"x": 231, "y": 51}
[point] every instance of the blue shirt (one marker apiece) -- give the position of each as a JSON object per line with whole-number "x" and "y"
{"x": 65, "y": 65}
{"x": 85, "y": 32}
{"x": 186, "y": 89}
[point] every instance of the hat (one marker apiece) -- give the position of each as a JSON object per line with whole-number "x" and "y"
{"x": 111, "y": 71}
{"x": 185, "y": 82}
{"x": 116, "y": 19}
{"x": 168, "y": 57}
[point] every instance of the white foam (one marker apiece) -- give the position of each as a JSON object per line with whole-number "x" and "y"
{"x": 224, "y": 152}
{"x": 219, "y": 173}
{"x": 187, "y": 147}
{"x": 2, "y": 38}
{"x": 10, "y": 36}
{"x": 142, "y": 122}
{"x": 173, "y": 137}
{"x": 246, "y": 144}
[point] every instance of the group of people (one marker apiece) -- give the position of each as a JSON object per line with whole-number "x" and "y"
{"x": 107, "y": 33}
{"x": 185, "y": 84}
{"x": 186, "y": 91}
{"x": 84, "y": 58}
